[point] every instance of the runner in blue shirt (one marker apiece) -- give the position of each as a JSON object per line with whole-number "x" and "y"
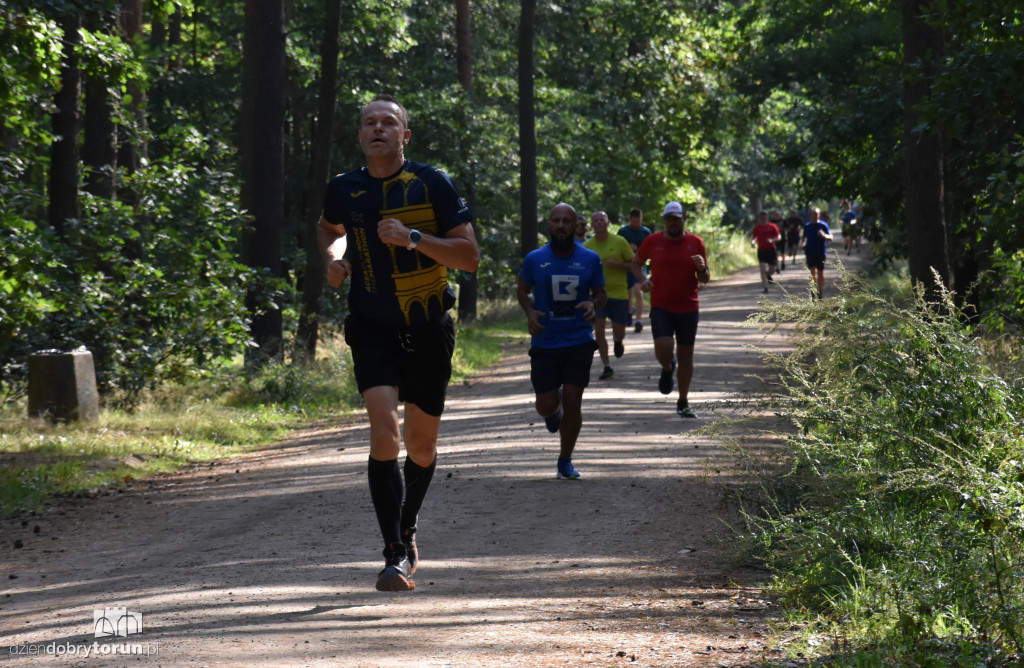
{"x": 815, "y": 242}
{"x": 560, "y": 289}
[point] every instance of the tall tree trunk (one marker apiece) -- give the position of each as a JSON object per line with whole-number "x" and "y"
{"x": 132, "y": 146}
{"x": 63, "y": 185}
{"x": 464, "y": 43}
{"x": 261, "y": 150}
{"x": 527, "y": 130}
{"x": 99, "y": 142}
{"x": 754, "y": 201}
{"x": 320, "y": 174}
{"x": 923, "y": 156}
{"x": 468, "y": 288}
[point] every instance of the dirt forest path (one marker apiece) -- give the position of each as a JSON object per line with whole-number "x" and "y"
{"x": 269, "y": 559}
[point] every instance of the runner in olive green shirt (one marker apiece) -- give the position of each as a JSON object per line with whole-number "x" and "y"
{"x": 617, "y": 257}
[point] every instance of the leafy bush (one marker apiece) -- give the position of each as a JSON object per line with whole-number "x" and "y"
{"x": 153, "y": 290}
{"x": 902, "y": 512}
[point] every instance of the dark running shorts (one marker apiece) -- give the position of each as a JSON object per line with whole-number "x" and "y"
{"x": 681, "y": 325}
{"x": 417, "y": 360}
{"x": 550, "y": 368}
{"x": 767, "y": 256}
{"x": 815, "y": 260}
{"x": 616, "y": 310}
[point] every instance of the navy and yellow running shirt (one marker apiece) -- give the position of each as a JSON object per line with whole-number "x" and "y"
{"x": 393, "y": 284}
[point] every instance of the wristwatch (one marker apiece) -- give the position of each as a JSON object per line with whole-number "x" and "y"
{"x": 415, "y": 237}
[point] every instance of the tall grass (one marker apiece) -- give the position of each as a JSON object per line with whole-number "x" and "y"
{"x": 901, "y": 518}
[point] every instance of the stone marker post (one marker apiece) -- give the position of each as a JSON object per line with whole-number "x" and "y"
{"x": 62, "y": 386}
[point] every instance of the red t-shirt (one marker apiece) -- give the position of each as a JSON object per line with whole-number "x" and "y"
{"x": 766, "y": 234}
{"x": 673, "y": 274}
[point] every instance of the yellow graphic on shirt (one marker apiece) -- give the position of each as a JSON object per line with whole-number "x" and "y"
{"x": 418, "y": 279}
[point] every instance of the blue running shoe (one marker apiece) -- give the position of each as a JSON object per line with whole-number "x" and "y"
{"x": 566, "y": 470}
{"x": 667, "y": 380}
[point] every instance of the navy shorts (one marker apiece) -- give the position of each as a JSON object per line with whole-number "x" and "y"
{"x": 683, "y": 326}
{"x": 631, "y": 279}
{"x": 417, "y": 360}
{"x": 815, "y": 260}
{"x": 550, "y": 368}
{"x": 616, "y": 310}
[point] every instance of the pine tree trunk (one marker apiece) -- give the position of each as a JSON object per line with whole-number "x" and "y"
{"x": 468, "y": 289}
{"x": 923, "y": 155}
{"x": 320, "y": 173}
{"x": 262, "y": 153}
{"x": 63, "y": 186}
{"x": 527, "y": 129}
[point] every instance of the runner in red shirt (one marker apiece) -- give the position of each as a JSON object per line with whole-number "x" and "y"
{"x": 765, "y": 236}
{"x": 679, "y": 264}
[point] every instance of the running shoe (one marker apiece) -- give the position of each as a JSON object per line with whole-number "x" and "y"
{"x": 553, "y": 422}
{"x": 684, "y": 410}
{"x": 395, "y": 576}
{"x": 619, "y": 349}
{"x": 667, "y": 380}
{"x": 566, "y": 470}
{"x": 639, "y": 327}
{"x": 607, "y": 374}
{"x": 409, "y": 540}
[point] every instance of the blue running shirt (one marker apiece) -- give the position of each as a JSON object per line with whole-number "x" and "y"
{"x": 559, "y": 284}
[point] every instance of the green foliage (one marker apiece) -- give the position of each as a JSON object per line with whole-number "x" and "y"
{"x": 902, "y": 510}
{"x": 837, "y": 68}
{"x": 151, "y": 290}
{"x": 1007, "y": 284}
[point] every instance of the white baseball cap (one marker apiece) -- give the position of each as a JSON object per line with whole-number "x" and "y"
{"x": 673, "y": 209}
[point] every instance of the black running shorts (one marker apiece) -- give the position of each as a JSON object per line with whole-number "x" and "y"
{"x": 550, "y": 368}
{"x": 417, "y": 360}
{"x": 815, "y": 260}
{"x": 683, "y": 326}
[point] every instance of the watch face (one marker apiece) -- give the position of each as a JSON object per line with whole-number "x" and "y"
{"x": 415, "y": 236}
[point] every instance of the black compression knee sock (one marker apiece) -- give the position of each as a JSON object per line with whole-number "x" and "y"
{"x": 417, "y": 481}
{"x": 387, "y": 491}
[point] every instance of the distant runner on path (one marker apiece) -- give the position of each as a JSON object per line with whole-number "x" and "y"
{"x": 560, "y": 289}
{"x": 617, "y": 259}
{"x": 635, "y": 233}
{"x": 815, "y": 242}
